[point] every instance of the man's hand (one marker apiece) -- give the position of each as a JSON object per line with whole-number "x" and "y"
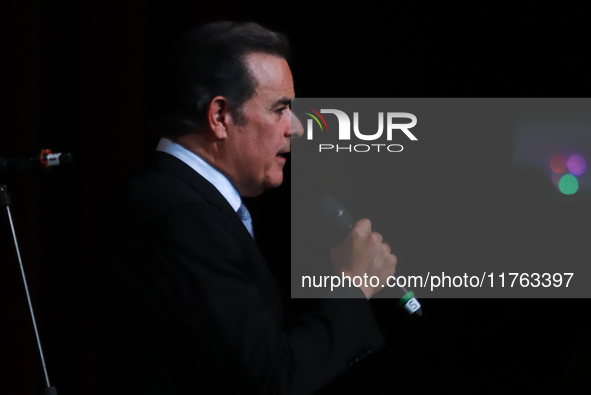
{"x": 363, "y": 252}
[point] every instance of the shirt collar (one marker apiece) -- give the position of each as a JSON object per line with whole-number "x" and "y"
{"x": 207, "y": 171}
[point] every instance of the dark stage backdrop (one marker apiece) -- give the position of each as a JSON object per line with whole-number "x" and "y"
{"x": 79, "y": 76}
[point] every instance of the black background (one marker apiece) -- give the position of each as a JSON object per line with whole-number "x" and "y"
{"x": 80, "y": 76}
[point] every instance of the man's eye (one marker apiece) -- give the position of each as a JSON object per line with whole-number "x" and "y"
{"x": 281, "y": 109}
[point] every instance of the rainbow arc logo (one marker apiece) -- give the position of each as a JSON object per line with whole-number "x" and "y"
{"x": 316, "y": 119}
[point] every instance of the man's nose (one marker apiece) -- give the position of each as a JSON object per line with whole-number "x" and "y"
{"x": 297, "y": 130}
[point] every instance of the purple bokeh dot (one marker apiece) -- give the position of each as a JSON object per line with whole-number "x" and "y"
{"x": 576, "y": 164}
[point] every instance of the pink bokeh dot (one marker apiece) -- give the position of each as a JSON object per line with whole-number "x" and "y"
{"x": 576, "y": 164}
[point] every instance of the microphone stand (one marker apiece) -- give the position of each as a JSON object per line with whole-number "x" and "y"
{"x": 6, "y": 201}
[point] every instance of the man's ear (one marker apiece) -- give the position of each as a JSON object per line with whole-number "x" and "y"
{"x": 218, "y": 117}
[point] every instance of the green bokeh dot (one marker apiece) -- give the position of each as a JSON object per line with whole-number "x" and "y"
{"x": 568, "y": 184}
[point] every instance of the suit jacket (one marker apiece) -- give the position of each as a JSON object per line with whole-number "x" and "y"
{"x": 190, "y": 302}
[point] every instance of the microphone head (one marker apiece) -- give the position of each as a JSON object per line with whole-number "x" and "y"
{"x": 334, "y": 220}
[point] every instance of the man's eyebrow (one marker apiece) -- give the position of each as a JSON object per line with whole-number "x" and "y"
{"x": 284, "y": 101}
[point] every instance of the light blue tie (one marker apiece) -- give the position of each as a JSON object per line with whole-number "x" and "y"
{"x": 245, "y": 218}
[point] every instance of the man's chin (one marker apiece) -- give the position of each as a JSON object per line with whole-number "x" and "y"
{"x": 274, "y": 182}
{"x": 269, "y": 183}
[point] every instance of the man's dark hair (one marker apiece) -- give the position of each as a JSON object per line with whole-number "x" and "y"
{"x": 210, "y": 62}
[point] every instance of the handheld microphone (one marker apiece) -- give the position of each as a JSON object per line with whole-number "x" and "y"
{"x": 339, "y": 222}
{"x": 30, "y": 163}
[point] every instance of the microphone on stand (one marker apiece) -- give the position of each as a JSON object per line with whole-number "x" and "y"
{"x": 339, "y": 222}
{"x": 24, "y": 164}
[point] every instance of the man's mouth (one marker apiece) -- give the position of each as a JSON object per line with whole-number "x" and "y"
{"x": 282, "y": 154}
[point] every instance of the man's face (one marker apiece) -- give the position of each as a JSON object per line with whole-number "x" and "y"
{"x": 254, "y": 149}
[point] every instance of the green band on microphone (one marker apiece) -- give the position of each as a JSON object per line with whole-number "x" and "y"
{"x": 405, "y": 298}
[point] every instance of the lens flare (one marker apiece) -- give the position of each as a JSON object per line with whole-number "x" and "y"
{"x": 568, "y": 184}
{"x": 576, "y": 164}
{"x": 558, "y": 163}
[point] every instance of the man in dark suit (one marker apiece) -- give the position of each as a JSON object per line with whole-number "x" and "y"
{"x": 191, "y": 303}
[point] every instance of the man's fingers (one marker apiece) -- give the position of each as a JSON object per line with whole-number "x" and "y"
{"x": 393, "y": 260}
{"x": 376, "y": 237}
{"x": 362, "y": 227}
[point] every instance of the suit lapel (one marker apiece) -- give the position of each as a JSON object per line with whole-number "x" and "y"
{"x": 170, "y": 164}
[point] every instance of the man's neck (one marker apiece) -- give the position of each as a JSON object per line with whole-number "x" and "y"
{"x": 204, "y": 168}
